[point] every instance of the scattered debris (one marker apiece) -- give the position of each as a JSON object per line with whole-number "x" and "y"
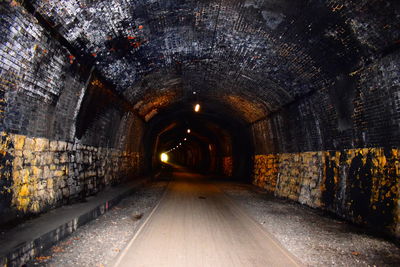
{"x": 138, "y": 216}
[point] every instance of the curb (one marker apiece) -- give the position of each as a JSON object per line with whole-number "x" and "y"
{"x": 28, "y": 250}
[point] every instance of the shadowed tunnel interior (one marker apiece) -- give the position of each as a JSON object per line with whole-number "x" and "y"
{"x": 211, "y": 140}
{"x": 299, "y": 98}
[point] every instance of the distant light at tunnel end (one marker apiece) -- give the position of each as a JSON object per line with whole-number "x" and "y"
{"x": 164, "y": 157}
{"x": 197, "y": 108}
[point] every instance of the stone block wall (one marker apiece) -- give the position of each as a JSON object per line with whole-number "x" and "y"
{"x": 362, "y": 185}
{"x": 39, "y": 174}
{"x": 266, "y": 171}
{"x": 299, "y": 177}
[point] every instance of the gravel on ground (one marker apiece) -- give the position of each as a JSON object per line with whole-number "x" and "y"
{"x": 317, "y": 240}
{"x": 97, "y": 243}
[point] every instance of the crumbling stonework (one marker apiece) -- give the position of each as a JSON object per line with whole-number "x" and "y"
{"x": 48, "y": 173}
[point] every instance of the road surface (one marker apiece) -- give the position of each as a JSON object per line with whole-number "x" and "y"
{"x": 195, "y": 224}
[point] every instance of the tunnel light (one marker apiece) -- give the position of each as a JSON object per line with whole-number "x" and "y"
{"x": 164, "y": 157}
{"x": 185, "y": 139}
{"x": 188, "y": 131}
{"x": 197, "y": 108}
{"x": 180, "y": 144}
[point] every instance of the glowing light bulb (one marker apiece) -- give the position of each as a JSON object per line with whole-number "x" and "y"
{"x": 188, "y": 131}
{"x": 197, "y": 108}
{"x": 164, "y": 157}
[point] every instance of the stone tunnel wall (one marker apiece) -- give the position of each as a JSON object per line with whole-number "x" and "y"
{"x": 346, "y": 163}
{"x": 358, "y": 184}
{"x": 44, "y": 163}
{"x": 40, "y": 174}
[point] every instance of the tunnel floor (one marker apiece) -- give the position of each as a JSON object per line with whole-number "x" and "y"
{"x": 202, "y": 222}
{"x": 195, "y": 224}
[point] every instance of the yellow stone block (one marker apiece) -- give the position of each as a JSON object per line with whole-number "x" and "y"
{"x": 24, "y": 191}
{"x": 50, "y": 184}
{"x": 21, "y": 176}
{"x": 29, "y": 144}
{"x": 37, "y": 172}
{"x": 41, "y": 144}
{"x": 25, "y": 175}
{"x": 19, "y": 141}
{"x": 18, "y": 163}
{"x": 53, "y": 145}
{"x": 23, "y": 204}
{"x": 59, "y": 173}
{"x": 35, "y": 207}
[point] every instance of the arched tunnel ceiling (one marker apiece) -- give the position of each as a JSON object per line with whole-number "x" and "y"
{"x": 255, "y": 55}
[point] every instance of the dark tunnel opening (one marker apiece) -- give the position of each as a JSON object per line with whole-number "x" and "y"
{"x": 212, "y": 140}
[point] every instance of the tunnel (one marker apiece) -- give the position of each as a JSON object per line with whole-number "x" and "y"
{"x": 298, "y": 101}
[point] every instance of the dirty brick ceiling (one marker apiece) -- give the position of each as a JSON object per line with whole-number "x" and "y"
{"x": 268, "y": 52}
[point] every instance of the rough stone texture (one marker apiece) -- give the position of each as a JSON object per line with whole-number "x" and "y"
{"x": 370, "y": 118}
{"x": 299, "y": 177}
{"x": 39, "y": 89}
{"x": 46, "y": 173}
{"x": 66, "y": 133}
{"x": 361, "y": 185}
{"x": 48, "y": 92}
{"x": 256, "y": 56}
{"x": 265, "y": 171}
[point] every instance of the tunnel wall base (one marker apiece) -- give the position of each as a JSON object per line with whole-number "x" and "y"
{"x": 361, "y": 185}
{"x": 40, "y": 174}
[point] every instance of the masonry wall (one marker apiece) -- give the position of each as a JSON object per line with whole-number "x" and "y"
{"x": 41, "y": 82}
{"x": 42, "y": 174}
{"x": 65, "y": 132}
{"x": 357, "y": 184}
{"x": 338, "y": 154}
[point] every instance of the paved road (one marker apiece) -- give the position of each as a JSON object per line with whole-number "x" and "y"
{"x": 195, "y": 224}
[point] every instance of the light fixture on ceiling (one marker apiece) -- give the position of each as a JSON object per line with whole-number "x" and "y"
{"x": 197, "y": 108}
